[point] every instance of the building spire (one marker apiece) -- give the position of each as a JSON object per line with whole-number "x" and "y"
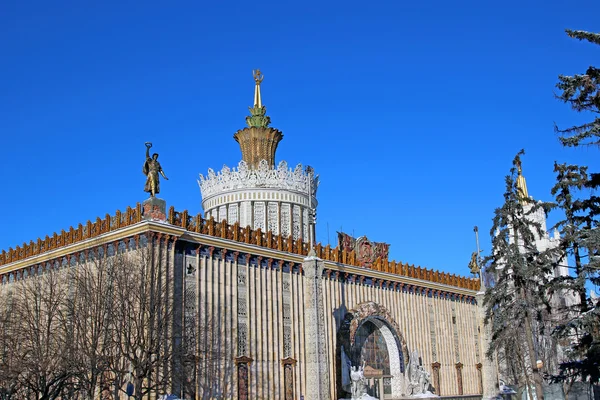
{"x": 258, "y": 113}
{"x": 258, "y": 141}
{"x": 521, "y": 183}
{"x": 258, "y": 78}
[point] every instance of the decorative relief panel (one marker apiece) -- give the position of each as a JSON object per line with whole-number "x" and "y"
{"x": 432, "y": 332}
{"x": 190, "y": 312}
{"x": 287, "y": 317}
{"x": 246, "y": 214}
{"x": 259, "y": 215}
{"x": 366, "y": 251}
{"x": 285, "y": 220}
{"x": 455, "y": 329}
{"x": 305, "y": 223}
{"x": 242, "y": 314}
{"x": 296, "y": 222}
{"x": 222, "y": 213}
{"x": 273, "y": 218}
{"x": 233, "y": 213}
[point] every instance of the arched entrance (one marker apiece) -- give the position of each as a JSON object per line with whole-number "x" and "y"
{"x": 370, "y": 335}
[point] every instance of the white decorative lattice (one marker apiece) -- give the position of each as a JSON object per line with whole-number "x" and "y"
{"x": 272, "y": 218}
{"x": 296, "y": 222}
{"x": 242, "y": 317}
{"x": 259, "y": 215}
{"x": 433, "y": 334}
{"x": 190, "y": 303}
{"x": 264, "y": 176}
{"x": 287, "y": 317}
{"x": 222, "y": 213}
{"x": 285, "y": 220}
{"x": 305, "y": 223}
{"x": 233, "y": 214}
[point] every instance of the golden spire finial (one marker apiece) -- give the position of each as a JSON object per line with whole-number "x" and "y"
{"x": 521, "y": 183}
{"x": 258, "y": 78}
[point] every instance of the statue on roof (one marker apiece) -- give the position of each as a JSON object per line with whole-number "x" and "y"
{"x": 152, "y": 169}
{"x": 473, "y": 265}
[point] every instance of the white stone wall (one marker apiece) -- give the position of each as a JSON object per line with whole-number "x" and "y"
{"x": 275, "y": 313}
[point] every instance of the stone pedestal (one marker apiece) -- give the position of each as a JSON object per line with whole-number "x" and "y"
{"x": 154, "y": 209}
{"x": 489, "y": 372}
{"x": 317, "y": 364}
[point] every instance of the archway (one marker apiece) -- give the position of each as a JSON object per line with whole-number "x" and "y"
{"x": 369, "y": 334}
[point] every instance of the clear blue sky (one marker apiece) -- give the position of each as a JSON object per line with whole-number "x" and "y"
{"x": 411, "y": 112}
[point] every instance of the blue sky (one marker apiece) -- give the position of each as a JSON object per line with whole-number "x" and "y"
{"x": 411, "y": 112}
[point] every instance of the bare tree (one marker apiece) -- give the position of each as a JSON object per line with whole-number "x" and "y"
{"x": 141, "y": 321}
{"x": 83, "y": 327}
{"x": 10, "y": 363}
{"x": 90, "y": 306}
{"x": 45, "y": 344}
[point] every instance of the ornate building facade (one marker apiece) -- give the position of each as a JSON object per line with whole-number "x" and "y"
{"x": 261, "y": 311}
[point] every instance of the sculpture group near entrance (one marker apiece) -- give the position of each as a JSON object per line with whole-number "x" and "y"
{"x": 406, "y": 376}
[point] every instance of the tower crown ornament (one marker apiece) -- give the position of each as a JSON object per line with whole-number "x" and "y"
{"x": 258, "y": 141}
{"x": 265, "y": 176}
{"x": 258, "y": 193}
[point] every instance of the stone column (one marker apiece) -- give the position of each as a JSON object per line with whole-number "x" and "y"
{"x": 317, "y": 364}
{"x": 489, "y": 372}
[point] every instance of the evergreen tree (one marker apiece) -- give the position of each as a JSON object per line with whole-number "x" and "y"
{"x": 582, "y": 93}
{"x": 580, "y": 239}
{"x": 575, "y": 195}
{"x": 515, "y": 304}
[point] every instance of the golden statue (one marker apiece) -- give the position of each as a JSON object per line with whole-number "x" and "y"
{"x": 258, "y": 76}
{"x": 521, "y": 182}
{"x": 151, "y": 169}
{"x": 473, "y": 265}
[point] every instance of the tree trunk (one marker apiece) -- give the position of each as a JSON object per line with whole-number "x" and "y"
{"x": 578, "y": 271}
{"x": 537, "y": 379}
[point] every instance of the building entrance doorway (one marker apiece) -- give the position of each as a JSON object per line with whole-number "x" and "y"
{"x": 369, "y": 337}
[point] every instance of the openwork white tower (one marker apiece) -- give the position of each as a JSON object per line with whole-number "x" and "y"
{"x": 256, "y": 193}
